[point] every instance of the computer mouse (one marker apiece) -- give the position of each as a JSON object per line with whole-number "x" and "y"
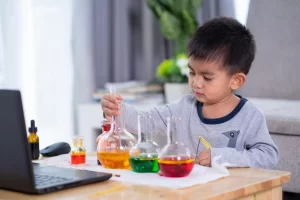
{"x": 56, "y": 149}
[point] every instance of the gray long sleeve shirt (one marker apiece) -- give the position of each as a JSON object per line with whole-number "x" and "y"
{"x": 241, "y": 138}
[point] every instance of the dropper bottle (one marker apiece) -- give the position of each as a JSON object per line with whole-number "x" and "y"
{"x": 33, "y": 140}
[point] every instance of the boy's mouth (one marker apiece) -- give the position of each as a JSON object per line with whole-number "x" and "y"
{"x": 198, "y": 94}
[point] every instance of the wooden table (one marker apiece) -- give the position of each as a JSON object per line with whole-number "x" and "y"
{"x": 243, "y": 184}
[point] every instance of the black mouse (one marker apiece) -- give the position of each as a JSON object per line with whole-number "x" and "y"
{"x": 56, "y": 149}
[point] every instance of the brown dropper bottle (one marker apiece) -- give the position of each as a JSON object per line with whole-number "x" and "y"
{"x": 33, "y": 140}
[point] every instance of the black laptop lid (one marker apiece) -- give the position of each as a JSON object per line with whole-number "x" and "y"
{"x": 15, "y": 161}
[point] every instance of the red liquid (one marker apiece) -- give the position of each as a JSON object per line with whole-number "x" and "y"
{"x": 171, "y": 167}
{"x": 78, "y": 159}
{"x": 106, "y": 127}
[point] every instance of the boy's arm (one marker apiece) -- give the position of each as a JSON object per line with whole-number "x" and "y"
{"x": 260, "y": 150}
{"x": 158, "y": 114}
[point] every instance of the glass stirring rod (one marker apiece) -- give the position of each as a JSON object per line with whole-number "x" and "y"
{"x": 113, "y": 92}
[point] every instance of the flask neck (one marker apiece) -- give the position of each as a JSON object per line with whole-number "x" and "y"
{"x": 145, "y": 127}
{"x": 120, "y": 120}
{"x": 77, "y": 143}
{"x": 171, "y": 137}
{"x": 171, "y": 129}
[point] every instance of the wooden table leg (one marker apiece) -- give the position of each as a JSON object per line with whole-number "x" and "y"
{"x": 271, "y": 194}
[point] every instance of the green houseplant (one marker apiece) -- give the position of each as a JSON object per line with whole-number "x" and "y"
{"x": 178, "y": 22}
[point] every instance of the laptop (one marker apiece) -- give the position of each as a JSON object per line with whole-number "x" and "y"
{"x": 17, "y": 172}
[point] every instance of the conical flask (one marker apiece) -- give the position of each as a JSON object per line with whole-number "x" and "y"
{"x": 144, "y": 155}
{"x": 175, "y": 159}
{"x": 113, "y": 148}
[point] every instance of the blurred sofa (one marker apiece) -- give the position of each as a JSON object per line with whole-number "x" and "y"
{"x": 273, "y": 83}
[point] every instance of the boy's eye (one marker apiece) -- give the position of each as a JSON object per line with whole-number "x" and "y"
{"x": 192, "y": 73}
{"x": 207, "y": 79}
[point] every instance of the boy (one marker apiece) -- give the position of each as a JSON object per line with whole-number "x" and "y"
{"x": 220, "y": 56}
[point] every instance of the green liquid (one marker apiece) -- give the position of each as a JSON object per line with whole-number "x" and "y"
{"x": 144, "y": 165}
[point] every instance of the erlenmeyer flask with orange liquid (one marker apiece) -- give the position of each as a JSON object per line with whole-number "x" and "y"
{"x": 175, "y": 159}
{"x": 114, "y": 146}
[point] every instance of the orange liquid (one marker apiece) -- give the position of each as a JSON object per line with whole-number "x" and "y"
{"x": 78, "y": 158}
{"x": 117, "y": 159}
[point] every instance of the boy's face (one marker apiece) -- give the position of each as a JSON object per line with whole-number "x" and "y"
{"x": 209, "y": 81}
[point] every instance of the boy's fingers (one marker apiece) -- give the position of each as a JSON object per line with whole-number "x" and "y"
{"x": 119, "y": 97}
{"x": 109, "y": 104}
{"x": 197, "y": 160}
{"x": 111, "y": 98}
{"x": 203, "y": 158}
{"x": 204, "y": 162}
{"x": 109, "y": 118}
{"x": 109, "y": 112}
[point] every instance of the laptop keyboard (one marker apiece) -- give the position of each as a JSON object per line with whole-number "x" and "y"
{"x": 43, "y": 180}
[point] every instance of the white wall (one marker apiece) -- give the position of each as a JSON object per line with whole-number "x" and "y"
{"x": 241, "y": 8}
{"x": 18, "y": 65}
{"x": 54, "y": 74}
{"x": 45, "y": 42}
{"x": 83, "y": 53}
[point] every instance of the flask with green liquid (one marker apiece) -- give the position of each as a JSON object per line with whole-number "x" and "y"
{"x": 144, "y": 155}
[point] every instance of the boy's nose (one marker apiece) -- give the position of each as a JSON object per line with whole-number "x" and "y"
{"x": 198, "y": 82}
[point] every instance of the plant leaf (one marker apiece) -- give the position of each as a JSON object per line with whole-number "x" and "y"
{"x": 170, "y": 26}
{"x": 190, "y": 24}
{"x": 155, "y": 7}
{"x": 194, "y": 5}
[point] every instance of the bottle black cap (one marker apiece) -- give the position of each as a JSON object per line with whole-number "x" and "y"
{"x": 32, "y": 128}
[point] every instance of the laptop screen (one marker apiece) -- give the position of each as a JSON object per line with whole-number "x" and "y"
{"x": 15, "y": 168}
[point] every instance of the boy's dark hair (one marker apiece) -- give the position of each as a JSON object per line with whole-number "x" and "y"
{"x": 224, "y": 39}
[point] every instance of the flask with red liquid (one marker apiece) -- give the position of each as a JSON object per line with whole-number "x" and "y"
{"x": 78, "y": 152}
{"x": 175, "y": 159}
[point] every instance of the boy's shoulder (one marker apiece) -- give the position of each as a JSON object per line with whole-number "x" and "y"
{"x": 188, "y": 99}
{"x": 249, "y": 107}
{"x": 249, "y": 111}
{"x": 252, "y": 111}
{"x": 187, "y": 102}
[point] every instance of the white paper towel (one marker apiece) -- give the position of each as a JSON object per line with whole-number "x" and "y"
{"x": 199, "y": 174}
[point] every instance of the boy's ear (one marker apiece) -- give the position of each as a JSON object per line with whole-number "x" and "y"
{"x": 238, "y": 80}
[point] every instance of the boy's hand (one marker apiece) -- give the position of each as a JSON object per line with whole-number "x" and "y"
{"x": 204, "y": 158}
{"x": 110, "y": 106}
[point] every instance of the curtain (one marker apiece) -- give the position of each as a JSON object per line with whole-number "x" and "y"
{"x": 216, "y": 8}
{"x": 128, "y": 42}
